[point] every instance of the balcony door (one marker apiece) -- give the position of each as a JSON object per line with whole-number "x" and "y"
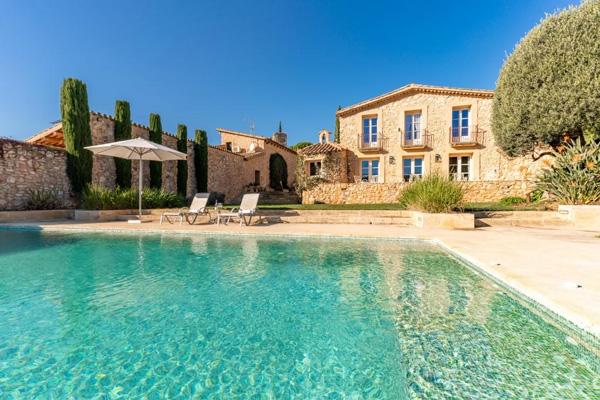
{"x": 460, "y": 124}
{"x": 412, "y": 129}
{"x": 369, "y": 136}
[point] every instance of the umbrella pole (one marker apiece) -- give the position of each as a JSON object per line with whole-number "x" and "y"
{"x": 140, "y": 189}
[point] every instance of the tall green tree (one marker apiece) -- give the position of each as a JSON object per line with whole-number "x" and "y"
{"x": 182, "y": 174}
{"x": 75, "y": 115}
{"x": 336, "y": 133}
{"x": 156, "y": 137}
{"x": 549, "y": 87}
{"x": 201, "y": 160}
{"x": 122, "y": 132}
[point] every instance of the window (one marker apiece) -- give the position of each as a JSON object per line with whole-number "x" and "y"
{"x": 412, "y": 168}
{"x": 412, "y": 128}
{"x": 314, "y": 168}
{"x": 369, "y": 171}
{"x": 228, "y": 146}
{"x": 370, "y": 131}
{"x": 460, "y": 168}
{"x": 257, "y": 177}
{"x": 460, "y": 122}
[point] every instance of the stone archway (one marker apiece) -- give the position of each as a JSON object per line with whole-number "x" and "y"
{"x": 278, "y": 172}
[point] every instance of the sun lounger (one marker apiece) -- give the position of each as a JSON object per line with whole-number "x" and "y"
{"x": 247, "y": 210}
{"x": 197, "y": 208}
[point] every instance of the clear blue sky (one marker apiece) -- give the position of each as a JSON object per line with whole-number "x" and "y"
{"x": 227, "y": 63}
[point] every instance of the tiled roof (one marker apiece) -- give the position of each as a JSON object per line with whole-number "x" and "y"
{"x": 321, "y": 148}
{"x": 411, "y": 89}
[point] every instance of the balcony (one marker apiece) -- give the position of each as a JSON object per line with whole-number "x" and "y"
{"x": 420, "y": 141}
{"x": 372, "y": 147}
{"x": 467, "y": 136}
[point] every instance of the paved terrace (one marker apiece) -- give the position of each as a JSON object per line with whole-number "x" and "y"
{"x": 559, "y": 268}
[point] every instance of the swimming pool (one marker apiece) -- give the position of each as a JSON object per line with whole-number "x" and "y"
{"x": 92, "y": 315}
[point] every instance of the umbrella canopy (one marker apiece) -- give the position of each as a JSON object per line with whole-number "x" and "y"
{"x": 137, "y": 149}
{"x": 132, "y": 149}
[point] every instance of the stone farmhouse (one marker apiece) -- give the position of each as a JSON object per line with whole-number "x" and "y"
{"x": 240, "y": 163}
{"x": 407, "y": 133}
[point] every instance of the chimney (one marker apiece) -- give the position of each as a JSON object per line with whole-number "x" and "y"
{"x": 280, "y": 136}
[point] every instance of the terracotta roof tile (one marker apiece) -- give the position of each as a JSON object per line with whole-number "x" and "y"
{"x": 321, "y": 148}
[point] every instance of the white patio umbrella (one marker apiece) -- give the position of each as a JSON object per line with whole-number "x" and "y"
{"x": 137, "y": 149}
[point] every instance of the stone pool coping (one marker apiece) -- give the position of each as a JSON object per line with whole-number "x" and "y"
{"x": 506, "y": 250}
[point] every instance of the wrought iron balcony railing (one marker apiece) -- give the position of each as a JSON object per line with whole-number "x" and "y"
{"x": 465, "y": 136}
{"x": 416, "y": 140}
{"x": 378, "y": 146}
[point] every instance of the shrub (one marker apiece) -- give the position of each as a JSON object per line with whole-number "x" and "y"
{"x": 122, "y": 132}
{"x": 100, "y": 198}
{"x": 512, "y": 200}
{"x": 574, "y": 177}
{"x": 42, "y": 199}
{"x": 536, "y": 195}
{"x": 550, "y": 85}
{"x": 201, "y": 160}
{"x": 277, "y": 172}
{"x": 75, "y": 116}
{"x": 433, "y": 194}
{"x": 182, "y": 164}
{"x": 156, "y": 137}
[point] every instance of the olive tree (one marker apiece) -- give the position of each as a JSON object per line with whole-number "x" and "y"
{"x": 549, "y": 87}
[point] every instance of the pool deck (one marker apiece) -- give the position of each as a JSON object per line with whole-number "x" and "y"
{"x": 558, "y": 268}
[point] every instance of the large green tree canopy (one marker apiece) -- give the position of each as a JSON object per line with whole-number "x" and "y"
{"x": 550, "y": 85}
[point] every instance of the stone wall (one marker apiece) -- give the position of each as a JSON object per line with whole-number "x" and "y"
{"x": 169, "y": 168}
{"x": 226, "y": 173}
{"x": 381, "y": 193}
{"x": 25, "y": 167}
{"x": 104, "y": 170}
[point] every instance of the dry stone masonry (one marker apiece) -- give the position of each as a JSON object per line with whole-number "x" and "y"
{"x": 25, "y": 167}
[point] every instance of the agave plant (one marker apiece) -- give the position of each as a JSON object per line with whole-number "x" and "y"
{"x": 574, "y": 177}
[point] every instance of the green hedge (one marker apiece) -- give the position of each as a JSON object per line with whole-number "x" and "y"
{"x": 97, "y": 197}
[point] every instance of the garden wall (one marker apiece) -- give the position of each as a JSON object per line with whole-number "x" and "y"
{"x": 25, "y": 167}
{"x": 379, "y": 193}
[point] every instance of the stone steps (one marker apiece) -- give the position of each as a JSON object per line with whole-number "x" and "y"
{"x": 279, "y": 198}
{"x": 534, "y": 219}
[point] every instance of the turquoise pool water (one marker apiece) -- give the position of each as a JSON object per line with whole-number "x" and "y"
{"x": 108, "y": 316}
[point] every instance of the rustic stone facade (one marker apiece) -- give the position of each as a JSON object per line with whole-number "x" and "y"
{"x": 228, "y": 172}
{"x": 325, "y": 160}
{"x": 382, "y": 193}
{"x": 103, "y": 170}
{"x": 25, "y": 167}
{"x": 435, "y": 106}
{"x": 257, "y": 150}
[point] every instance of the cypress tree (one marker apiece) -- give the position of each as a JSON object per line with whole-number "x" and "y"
{"x": 75, "y": 116}
{"x": 201, "y": 160}
{"x": 182, "y": 164}
{"x": 336, "y": 133}
{"x": 122, "y": 132}
{"x": 156, "y": 137}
